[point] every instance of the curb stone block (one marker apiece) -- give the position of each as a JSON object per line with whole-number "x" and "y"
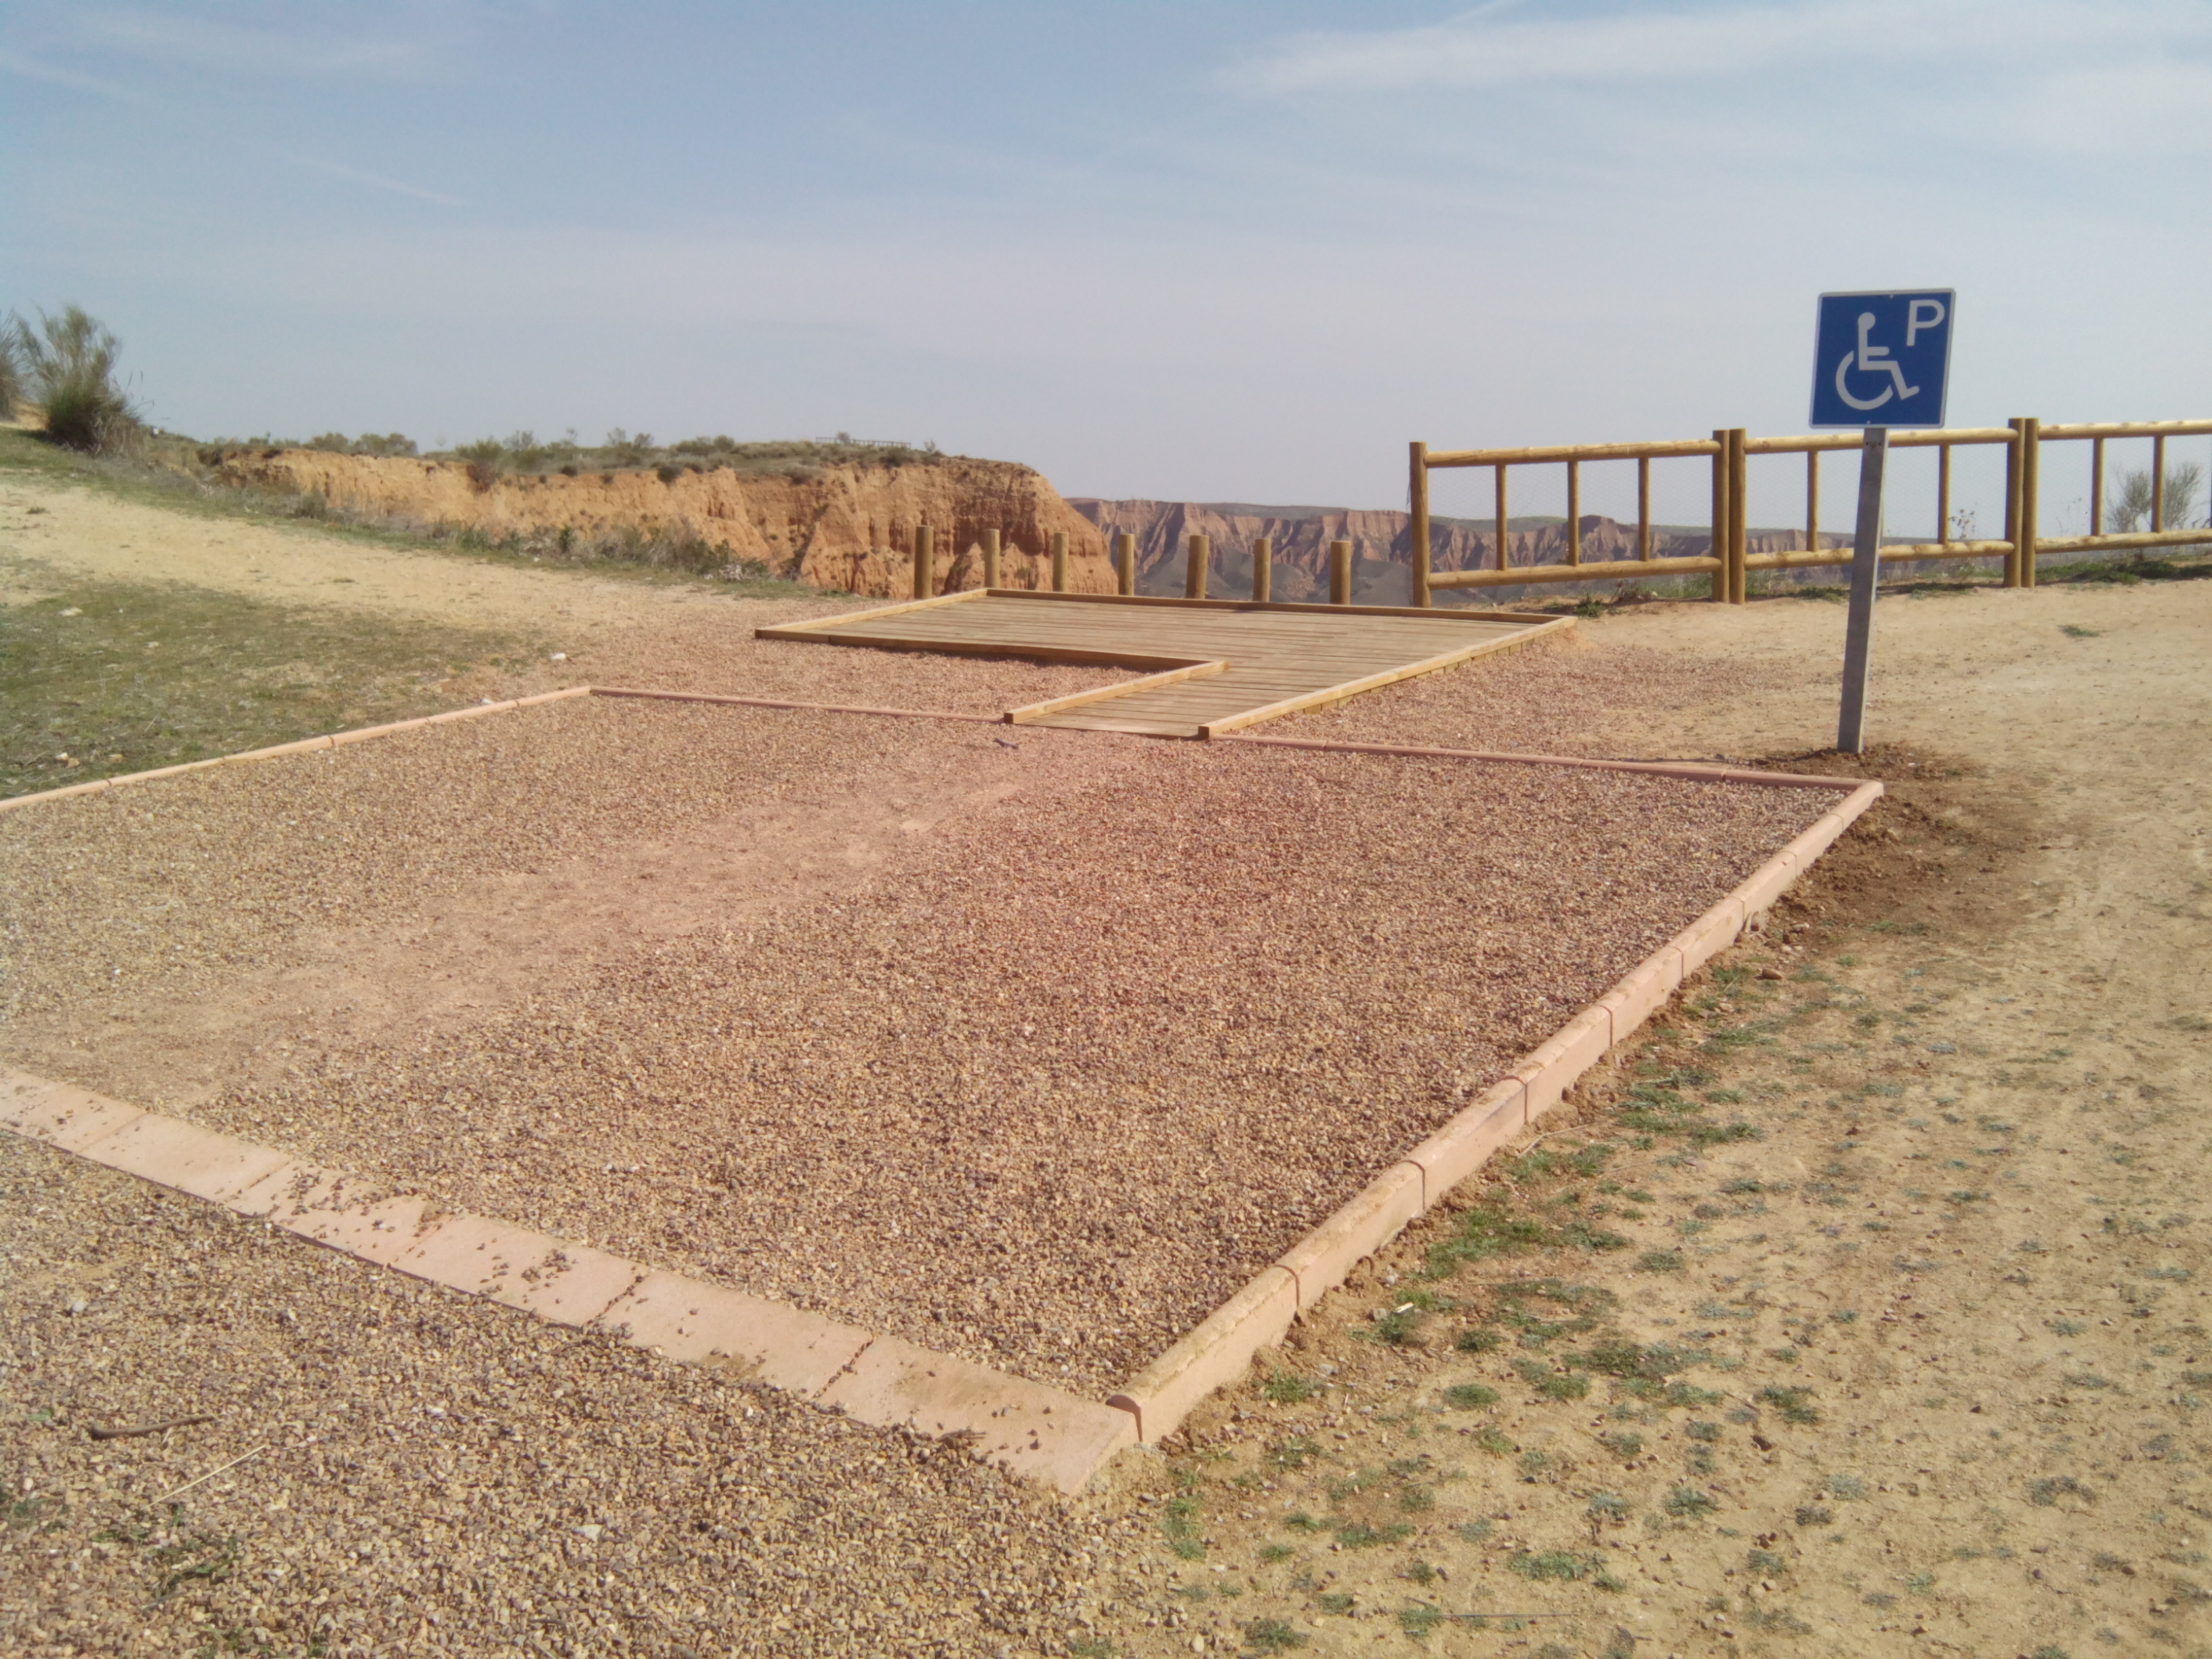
{"x": 186, "y": 1158}
{"x": 1032, "y": 1429}
{"x": 69, "y": 1118}
{"x": 1710, "y": 934}
{"x": 1378, "y": 1213}
{"x": 380, "y": 1232}
{"x": 1633, "y": 1000}
{"x": 1466, "y": 1144}
{"x": 1212, "y": 1355}
{"x": 1768, "y": 881}
{"x": 562, "y": 1284}
{"x": 1551, "y": 1071}
{"x": 782, "y": 1346}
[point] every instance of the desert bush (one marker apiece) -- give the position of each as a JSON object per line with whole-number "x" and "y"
{"x": 11, "y": 373}
{"x": 2127, "y": 503}
{"x": 628, "y": 450}
{"x": 335, "y": 443}
{"x": 68, "y": 362}
{"x": 386, "y": 443}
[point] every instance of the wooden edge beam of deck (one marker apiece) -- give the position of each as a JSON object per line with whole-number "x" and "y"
{"x": 1329, "y": 694}
{"x": 782, "y": 630}
{"x": 1031, "y": 713}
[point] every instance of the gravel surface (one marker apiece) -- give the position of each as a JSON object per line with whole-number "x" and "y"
{"x": 178, "y": 886}
{"x": 429, "y": 1474}
{"x": 1586, "y": 693}
{"x": 1040, "y": 1086}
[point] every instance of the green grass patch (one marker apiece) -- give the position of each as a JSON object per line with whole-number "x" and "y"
{"x": 122, "y": 678}
{"x": 1469, "y": 1397}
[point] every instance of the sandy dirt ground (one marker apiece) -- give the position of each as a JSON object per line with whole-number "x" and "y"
{"x": 1920, "y": 1367}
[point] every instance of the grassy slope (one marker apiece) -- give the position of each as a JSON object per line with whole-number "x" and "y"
{"x": 100, "y": 678}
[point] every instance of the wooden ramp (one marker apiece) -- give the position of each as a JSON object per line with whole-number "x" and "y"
{"x": 1213, "y": 665}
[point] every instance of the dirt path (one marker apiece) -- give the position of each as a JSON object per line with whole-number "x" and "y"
{"x": 50, "y": 533}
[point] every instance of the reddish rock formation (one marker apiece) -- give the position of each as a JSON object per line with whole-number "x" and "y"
{"x": 848, "y": 526}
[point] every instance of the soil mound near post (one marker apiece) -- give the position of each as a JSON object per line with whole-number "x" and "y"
{"x": 847, "y": 526}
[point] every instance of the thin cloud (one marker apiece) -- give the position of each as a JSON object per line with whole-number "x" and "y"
{"x": 29, "y": 68}
{"x": 379, "y": 181}
{"x": 1493, "y": 47}
{"x": 238, "y": 49}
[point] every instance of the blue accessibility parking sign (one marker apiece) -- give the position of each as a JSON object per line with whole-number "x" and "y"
{"x": 1882, "y": 358}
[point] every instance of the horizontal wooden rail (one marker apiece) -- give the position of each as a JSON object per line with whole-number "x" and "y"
{"x": 2121, "y": 542}
{"x": 1930, "y": 438}
{"x": 1574, "y": 452}
{"x": 1802, "y": 559}
{"x": 1610, "y": 570}
{"x": 2129, "y": 430}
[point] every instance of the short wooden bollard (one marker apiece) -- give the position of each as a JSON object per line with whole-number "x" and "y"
{"x": 1060, "y": 562}
{"x": 990, "y": 558}
{"x": 1125, "y": 564}
{"x": 1340, "y": 573}
{"x": 1193, "y": 575}
{"x": 1263, "y": 569}
{"x": 925, "y": 556}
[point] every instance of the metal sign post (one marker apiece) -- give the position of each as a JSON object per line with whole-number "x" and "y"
{"x": 1866, "y": 576}
{"x": 1880, "y": 360}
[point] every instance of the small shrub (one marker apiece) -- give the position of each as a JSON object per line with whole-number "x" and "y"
{"x": 68, "y": 367}
{"x": 1686, "y": 1502}
{"x": 1272, "y": 1636}
{"x": 1358, "y": 1535}
{"x": 1470, "y": 1396}
{"x": 1792, "y": 1403}
{"x": 1706, "y": 1431}
{"x": 1765, "y": 1562}
{"x": 1625, "y": 1442}
{"x": 1814, "y": 1514}
{"x": 1288, "y": 1389}
{"x": 1554, "y": 1563}
{"x": 1480, "y": 1338}
{"x": 1419, "y": 1619}
{"x": 1660, "y": 1262}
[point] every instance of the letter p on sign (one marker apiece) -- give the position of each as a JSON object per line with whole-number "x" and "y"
{"x": 1919, "y": 314}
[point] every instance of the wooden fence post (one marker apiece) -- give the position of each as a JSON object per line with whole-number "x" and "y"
{"x": 1340, "y": 573}
{"x": 1719, "y": 541}
{"x": 1738, "y": 504}
{"x": 1418, "y": 500}
{"x": 1574, "y": 512}
{"x": 1263, "y": 570}
{"x": 1193, "y": 575}
{"x": 1060, "y": 562}
{"x": 2012, "y": 567}
{"x": 925, "y": 556}
{"x": 2031, "y": 470}
{"x": 990, "y": 558}
{"x": 1125, "y": 563}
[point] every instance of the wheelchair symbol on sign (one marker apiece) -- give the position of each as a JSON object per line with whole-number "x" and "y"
{"x": 1871, "y": 359}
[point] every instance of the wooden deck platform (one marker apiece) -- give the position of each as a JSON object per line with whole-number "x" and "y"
{"x": 1214, "y": 665}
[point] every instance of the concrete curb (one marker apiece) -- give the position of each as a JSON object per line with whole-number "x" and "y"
{"x": 1032, "y": 1429}
{"x": 1221, "y": 1349}
{"x": 305, "y": 745}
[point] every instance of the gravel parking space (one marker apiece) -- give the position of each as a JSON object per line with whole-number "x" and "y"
{"x": 428, "y": 1474}
{"x": 1585, "y": 693}
{"x": 1040, "y": 1085}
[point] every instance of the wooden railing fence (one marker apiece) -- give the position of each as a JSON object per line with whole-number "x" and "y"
{"x": 1728, "y": 452}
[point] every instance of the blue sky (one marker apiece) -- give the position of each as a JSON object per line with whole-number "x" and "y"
{"x": 1226, "y": 250}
